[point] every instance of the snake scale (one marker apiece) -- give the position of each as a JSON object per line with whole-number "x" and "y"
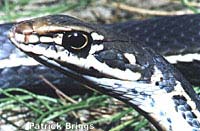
{"x": 125, "y": 60}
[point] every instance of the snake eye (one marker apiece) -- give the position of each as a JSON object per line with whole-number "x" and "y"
{"x": 75, "y": 41}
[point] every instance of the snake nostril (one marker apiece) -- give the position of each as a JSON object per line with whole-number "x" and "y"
{"x": 157, "y": 83}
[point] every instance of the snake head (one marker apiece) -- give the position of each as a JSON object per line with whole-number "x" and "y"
{"x": 74, "y": 45}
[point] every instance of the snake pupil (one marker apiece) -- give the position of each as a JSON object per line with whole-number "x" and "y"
{"x": 77, "y": 40}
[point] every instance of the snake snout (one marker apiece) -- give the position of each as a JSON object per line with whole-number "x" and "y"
{"x": 25, "y": 27}
{"x": 23, "y": 33}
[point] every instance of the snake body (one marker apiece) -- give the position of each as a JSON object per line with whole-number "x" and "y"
{"x": 133, "y": 45}
{"x": 118, "y": 61}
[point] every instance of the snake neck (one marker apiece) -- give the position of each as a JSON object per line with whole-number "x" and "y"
{"x": 162, "y": 95}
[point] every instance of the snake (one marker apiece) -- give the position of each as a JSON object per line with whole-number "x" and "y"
{"x": 128, "y": 60}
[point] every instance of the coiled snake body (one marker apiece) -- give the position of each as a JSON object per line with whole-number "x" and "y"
{"x": 124, "y": 61}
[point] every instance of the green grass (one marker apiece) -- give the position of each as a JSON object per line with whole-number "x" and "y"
{"x": 14, "y": 10}
{"x": 191, "y": 7}
{"x": 42, "y": 109}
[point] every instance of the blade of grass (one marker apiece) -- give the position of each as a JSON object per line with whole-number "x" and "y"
{"x": 42, "y": 99}
{"x": 20, "y": 101}
{"x": 192, "y": 8}
{"x": 90, "y": 102}
{"x": 122, "y": 126}
{"x": 113, "y": 118}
